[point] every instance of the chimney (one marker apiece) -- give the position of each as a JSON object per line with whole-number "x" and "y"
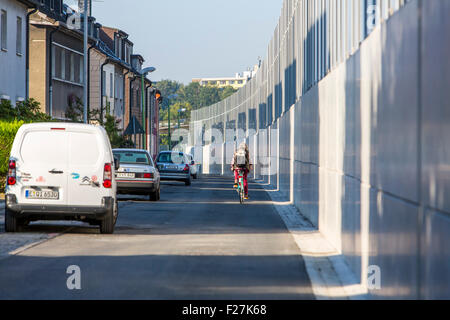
{"x": 81, "y": 7}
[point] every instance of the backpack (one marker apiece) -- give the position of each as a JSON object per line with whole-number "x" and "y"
{"x": 241, "y": 159}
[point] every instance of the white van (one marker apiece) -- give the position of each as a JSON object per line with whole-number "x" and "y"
{"x": 61, "y": 171}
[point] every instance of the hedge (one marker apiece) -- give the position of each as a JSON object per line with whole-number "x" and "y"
{"x": 8, "y": 132}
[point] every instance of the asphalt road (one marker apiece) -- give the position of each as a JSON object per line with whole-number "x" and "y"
{"x": 198, "y": 242}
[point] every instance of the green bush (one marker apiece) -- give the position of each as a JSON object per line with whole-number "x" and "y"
{"x": 11, "y": 119}
{"x": 8, "y": 132}
{"x": 28, "y": 111}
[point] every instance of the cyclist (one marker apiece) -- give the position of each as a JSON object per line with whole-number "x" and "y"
{"x": 241, "y": 160}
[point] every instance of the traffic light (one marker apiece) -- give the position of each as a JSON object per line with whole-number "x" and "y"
{"x": 158, "y": 96}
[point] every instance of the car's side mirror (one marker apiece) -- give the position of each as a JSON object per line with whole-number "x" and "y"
{"x": 116, "y": 164}
{"x": 192, "y": 163}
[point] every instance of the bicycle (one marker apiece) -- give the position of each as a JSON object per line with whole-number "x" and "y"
{"x": 240, "y": 189}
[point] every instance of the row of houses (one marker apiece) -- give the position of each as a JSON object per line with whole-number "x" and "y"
{"x": 41, "y": 57}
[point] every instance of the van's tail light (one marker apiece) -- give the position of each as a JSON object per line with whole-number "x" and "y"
{"x": 107, "y": 176}
{"x": 11, "y": 173}
{"x": 148, "y": 175}
{"x": 186, "y": 168}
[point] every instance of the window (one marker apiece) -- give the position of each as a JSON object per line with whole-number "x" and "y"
{"x": 4, "y": 31}
{"x": 72, "y": 67}
{"x": 223, "y": 82}
{"x": 67, "y": 65}
{"x": 19, "y": 36}
{"x": 132, "y": 157}
{"x": 81, "y": 69}
{"x": 240, "y": 81}
{"x": 63, "y": 64}
{"x": 232, "y": 82}
{"x": 117, "y": 42}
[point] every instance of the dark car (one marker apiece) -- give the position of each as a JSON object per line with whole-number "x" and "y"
{"x": 174, "y": 166}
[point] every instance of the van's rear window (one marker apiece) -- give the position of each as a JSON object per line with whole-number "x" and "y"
{"x": 131, "y": 157}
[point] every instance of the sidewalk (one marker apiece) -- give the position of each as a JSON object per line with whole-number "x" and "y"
{"x": 330, "y": 276}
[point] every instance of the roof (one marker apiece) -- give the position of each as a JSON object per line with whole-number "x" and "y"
{"x": 121, "y": 32}
{"x": 138, "y": 56}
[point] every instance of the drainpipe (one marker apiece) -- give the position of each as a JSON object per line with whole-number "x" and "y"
{"x": 50, "y": 78}
{"x": 102, "y": 85}
{"x": 131, "y": 104}
{"x": 89, "y": 77}
{"x": 123, "y": 97}
{"x": 27, "y": 58}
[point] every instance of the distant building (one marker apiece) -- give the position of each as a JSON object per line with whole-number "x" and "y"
{"x": 237, "y": 82}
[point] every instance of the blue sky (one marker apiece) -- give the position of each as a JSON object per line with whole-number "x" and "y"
{"x": 198, "y": 38}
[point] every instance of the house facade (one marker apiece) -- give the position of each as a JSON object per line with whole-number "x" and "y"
{"x": 56, "y": 63}
{"x": 106, "y": 81}
{"x": 13, "y": 17}
{"x": 55, "y": 73}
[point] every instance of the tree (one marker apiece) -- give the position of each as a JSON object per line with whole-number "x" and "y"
{"x": 168, "y": 88}
{"x": 226, "y": 92}
{"x": 192, "y": 97}
{"x": 164, "y": 115}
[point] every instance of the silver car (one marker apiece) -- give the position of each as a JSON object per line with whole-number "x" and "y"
{"x": 137, "y": 173}
{"x": 175, "y": 166}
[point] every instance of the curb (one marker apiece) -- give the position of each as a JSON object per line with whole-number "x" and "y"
{"x": 330, "y": 276}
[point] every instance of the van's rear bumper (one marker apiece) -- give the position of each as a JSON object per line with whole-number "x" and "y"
{"x": 50, "y": 212}
{"x": 136, "y": 187}
{"x": 168, "y": 176}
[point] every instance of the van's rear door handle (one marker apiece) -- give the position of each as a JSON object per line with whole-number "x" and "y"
{"x": 54, "y": 171}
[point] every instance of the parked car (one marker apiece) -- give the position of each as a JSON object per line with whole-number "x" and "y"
{"x": 194, "y": 167}
{"x": 137, "y": 173}
{"x": 61, "y": 171}
{"x": 174, "y": 165}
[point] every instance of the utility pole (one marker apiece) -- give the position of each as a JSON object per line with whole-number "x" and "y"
{"x": 86, "y": 67}
{"x": 170, "y": 136}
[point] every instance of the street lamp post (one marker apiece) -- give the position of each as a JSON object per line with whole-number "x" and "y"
{"x": 144, "y": 73}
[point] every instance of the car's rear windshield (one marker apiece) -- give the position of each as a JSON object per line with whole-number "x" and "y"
{"x": 132, "y": 157}
{"x": 174, "y": 157}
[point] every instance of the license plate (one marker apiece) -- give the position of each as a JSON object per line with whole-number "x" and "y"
{"x": 46, "y": 195}
{"x": 126, "y": 175}
{"x": 172, "y": 167}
